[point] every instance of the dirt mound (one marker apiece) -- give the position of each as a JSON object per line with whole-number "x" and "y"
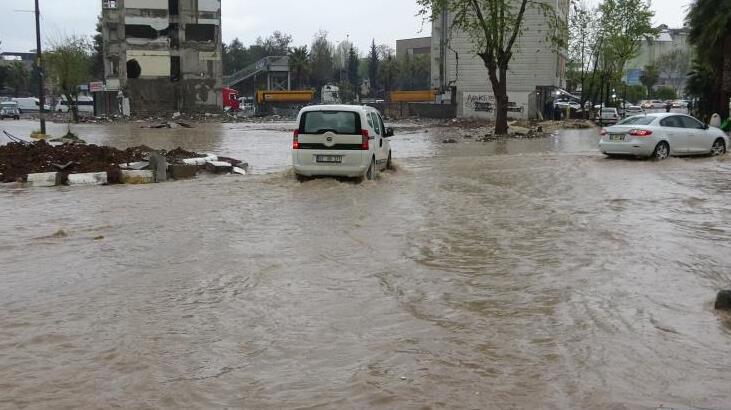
{"x": 18, "y": 160}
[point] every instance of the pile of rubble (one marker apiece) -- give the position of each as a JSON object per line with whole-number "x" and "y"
{"x": 43, "y": 164}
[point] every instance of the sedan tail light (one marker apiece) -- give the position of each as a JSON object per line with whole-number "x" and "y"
{"x": 603, "y": 132}
{"x": 295, "y": 140}
{"x": 364, "y": 145}
{"x": 640, "y": 133}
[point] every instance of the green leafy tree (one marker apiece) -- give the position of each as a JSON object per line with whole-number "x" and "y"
{"x": 321, "y": 60}
{"x": 235, "y": 57}
{"x": 98, "y": 53}
{"x": 666, "y": 93}
{"x": 353, "y": 64}
{"x": 414, "y": 72}
{"x": 299, "y": 65}
{"x": 3, "y": 76}
{"x": 374, "y": 60}
{"x": 674, "y": 67}
{"x": 388, "y": 74}
{"x": 18, "y": 78}
{"x": 649, "y": 78}
{"x": 69, "y": 66}
{"x": 702, "y": 87}
{"x": 277, "y": 44}
{"x": 710, "y": 33}
{"x": 625, "y": 24}
{"x": 494, "y": 27}
{"x": 584, "y": 27}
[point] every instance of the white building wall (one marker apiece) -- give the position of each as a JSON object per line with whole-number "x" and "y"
{"x": 535, "y": 63}
{"x": 146, "y": 4}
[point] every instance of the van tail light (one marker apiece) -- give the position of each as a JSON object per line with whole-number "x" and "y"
{"x": 603, "y": 132}
{"x": 296, "y": 140}
{"x": 640, "y": 133}
{"x": 364, "y": 145}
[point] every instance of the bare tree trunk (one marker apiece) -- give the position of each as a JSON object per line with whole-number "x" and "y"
{"x": 73, "y": 107}
{"x": 499, "y": 89}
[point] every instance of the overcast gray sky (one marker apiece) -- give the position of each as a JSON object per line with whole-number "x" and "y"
{"x": 384, "y": 20}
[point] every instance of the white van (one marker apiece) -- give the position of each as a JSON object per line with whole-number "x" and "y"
{"x": 85, "y": 104}
{"x": 30, "y": 104}
{"x": 341, "y": 140}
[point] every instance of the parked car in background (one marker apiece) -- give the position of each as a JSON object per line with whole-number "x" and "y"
{"x": 653, "y": 104}
{"x": 607, "y": 115}
{"x": 9, "y": 109}
{"x": 341, "y": 140}
{"x": 633, "y": 110}
{"x": 662, "y": 135}
{"x": 30, "y": 104}
{"x": 85, "y": 105}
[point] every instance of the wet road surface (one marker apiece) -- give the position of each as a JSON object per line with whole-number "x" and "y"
{"x": 526, "y": 274}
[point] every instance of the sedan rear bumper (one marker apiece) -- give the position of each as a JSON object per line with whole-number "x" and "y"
{"x": 636, "y": 148}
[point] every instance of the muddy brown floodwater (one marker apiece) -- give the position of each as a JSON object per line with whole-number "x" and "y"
{"x": 528, "y": 274}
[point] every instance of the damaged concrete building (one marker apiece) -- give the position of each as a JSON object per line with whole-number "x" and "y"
{"x": 164, "y": 55}
{"x": 536, "y": 68}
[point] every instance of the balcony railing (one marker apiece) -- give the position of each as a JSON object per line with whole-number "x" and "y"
{"x": 109, "y": 4}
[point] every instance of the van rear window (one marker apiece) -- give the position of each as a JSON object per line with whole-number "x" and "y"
{"x": 339, "y": 122}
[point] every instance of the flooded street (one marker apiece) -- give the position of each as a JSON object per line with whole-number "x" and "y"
{"x": 518, "y": 274}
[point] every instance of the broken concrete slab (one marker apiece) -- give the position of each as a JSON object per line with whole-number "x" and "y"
{"x": 91, "y": 178}
{"x": 219, "y": 167}
{"x": 44, "y": 179}
{"x": 137, "y": 177}
{"x": 182, "y": 171}
{"x": 201, "y": 160}
{"x": 159, "y": 165}
{"x": 137, "y": 166}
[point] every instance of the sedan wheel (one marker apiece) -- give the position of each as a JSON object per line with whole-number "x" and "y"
{"x": 718, "y": 148}
{"x": 662, "y": 151}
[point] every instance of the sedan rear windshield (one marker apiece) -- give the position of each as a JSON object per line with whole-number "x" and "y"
{"x": 638, "y": 120}
{"x": 339, "y": 122}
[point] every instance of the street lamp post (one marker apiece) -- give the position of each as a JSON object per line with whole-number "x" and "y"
{"x": 39, "y": 68}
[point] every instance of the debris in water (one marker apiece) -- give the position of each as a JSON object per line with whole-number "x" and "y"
{"x": 723, "y": 300}
{"x": 60, "y": 234}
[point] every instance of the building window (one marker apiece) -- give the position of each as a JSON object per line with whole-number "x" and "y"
{"x": 174, "y": 69}
{"x": 140, "y": 31}
{"x": 113, "y": 65}
{"x": 200, "y": 32}
{"x": 173, "y": 7}
{"x": 133, "y": 69}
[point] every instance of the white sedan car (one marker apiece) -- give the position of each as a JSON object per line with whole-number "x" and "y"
{"x": 662, "y": 135}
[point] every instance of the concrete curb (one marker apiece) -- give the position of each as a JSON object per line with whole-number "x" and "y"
{"x": 137, "y": 177}
{"x": 91, "y": 178}
{"x": 45, "y": 179}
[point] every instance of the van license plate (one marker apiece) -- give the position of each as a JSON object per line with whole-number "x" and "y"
{"x": 333, "y": 159}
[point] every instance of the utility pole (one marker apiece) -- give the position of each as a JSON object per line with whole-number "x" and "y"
{"x": 39, "y": 68}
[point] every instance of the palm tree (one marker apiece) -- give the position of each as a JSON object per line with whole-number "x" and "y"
{"x": 710, "y": 32}
{"x": 299, "y": 65}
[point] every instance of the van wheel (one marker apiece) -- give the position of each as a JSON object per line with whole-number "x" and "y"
{"x": 389, "y": 164}
{"x": 371, "y": 171}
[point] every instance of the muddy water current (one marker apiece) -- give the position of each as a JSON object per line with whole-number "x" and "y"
{"x": 524, "y": 274}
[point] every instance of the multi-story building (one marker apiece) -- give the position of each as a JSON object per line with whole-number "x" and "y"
{"x": 164, "y": 55}
{"x": 537, "y": 65}
{"x": 413, "y": 47}
{"x": 652, "y": 50}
